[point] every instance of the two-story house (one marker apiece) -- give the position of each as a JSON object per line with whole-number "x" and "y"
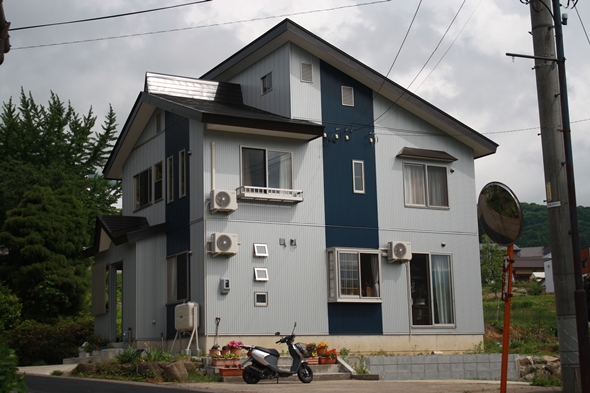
{"x": 293, "y": 183}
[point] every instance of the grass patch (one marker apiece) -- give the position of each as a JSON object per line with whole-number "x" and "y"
{"x": 57, "y": 372}
{"x": 544, "y": 381}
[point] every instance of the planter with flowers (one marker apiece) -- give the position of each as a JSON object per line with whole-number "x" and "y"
{"x": 322, "y": 347}
{"x": 225, "y": 350}
{"x": 214, "y": 350}
{"x": 235, "y": 347}
{"x": 329, "y": 357}
{"x": 227, "y": 360}
{"x": 311, "y": 353}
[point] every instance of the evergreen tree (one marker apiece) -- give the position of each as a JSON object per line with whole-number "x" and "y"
{"x": 491, "y": 261}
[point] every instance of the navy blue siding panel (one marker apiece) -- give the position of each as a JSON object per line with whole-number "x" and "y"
{"x": 355, "y": 318}
{"x": 343, "y": 207}
{"x": 177, "y": 212}
{"x": 170, "y": 330}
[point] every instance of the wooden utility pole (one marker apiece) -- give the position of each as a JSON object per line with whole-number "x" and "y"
{"x": 557, "y": 192}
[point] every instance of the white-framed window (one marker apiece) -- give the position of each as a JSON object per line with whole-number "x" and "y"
{"x": 425, "y": 185}
{"x": 177, "y": 278}
{"x": 267, "y": 168}
{"x": 266, "y": 83}
{"x": 260, "y": 299}
{"x": 181, "y": 174}
{"x": 260, "y": 274}
{"x": 158, "y": 181}
{"x": 347, "y": 96}
{"x": 260, "y": 250}
{"x": 431, "y": 289}
{"x": 354, "y": 275}
{"x": 358, "y": 176}
{"x": 170, "y": 179}
{"x": 306, "y": 72}
{"x": 143, "y": 189}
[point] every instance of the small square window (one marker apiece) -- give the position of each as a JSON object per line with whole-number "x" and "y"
{"x": 260, "y": 274}
{"x": 266, "y": 83}
{"x": 347, "y": 96}
{"x": 306, "y": 72}
{"x": 260, "y": 299}
{"x": 260, "y": 250}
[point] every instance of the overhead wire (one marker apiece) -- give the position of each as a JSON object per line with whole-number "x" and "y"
{"x": 109, "y": 16}
{"x": 204, "y": 26}
{"x": 582, "y": 23}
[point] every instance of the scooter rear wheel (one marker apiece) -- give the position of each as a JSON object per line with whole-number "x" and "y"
{"x": 249, "y": 376}
{"x": 305, "y": 374}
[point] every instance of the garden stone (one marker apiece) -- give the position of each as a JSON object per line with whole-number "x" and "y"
{"x": 149, "y": 368}
{"x": 86, "y": 367}
{"x": 175, "y": 371}
{"x": 549, "y": 359}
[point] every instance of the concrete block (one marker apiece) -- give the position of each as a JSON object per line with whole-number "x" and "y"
{"x": 483, "y": 358}
{"x": 456, "y": 367}
{"x": 444, "y": 375}
{"x": 431, "y": 375}
{"x": 444, "y": 359}
{"x": 484, "y": 375}
{"x": 444, "y": 367}
{"x": 483, "y": 367}
{"x": 495, "y": 357}
{"x": 469, "y": 359}
{"x": 375, "y": 360}
{"x": 430, "y": 359}
{"x": 405, "y": 360}
{"x": 431, "y": 367}
{"x": 389, "y": 359}
{"x": 457, "y": 359}
{"x": 388, "y": 369}
{"x": 417, "y": 368}
{"x": 470, "y": 366}
{"x": 457, "y": 374}
{"x": 404, "y": 368}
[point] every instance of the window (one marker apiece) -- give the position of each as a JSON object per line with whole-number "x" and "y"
{"x": 170, "y": 178}
{"x": 306, "y": 72}
{"x": 182, "y": 174}
{"x": 425, "y": 185}
{"x": 260, "y": 250}
{"x": 266, "y": 83}
{"x": 260, "y": 299}
{"x": 266, "y": 168}
{"x": 354, "y": 275}
{"x": 177, "y": 278}
{"x": 358, "y": 177}
{"x": 347, "y": 96}
{"x": 143, "y": 189}
{"x": 260, "y": 274}
{"x": 158, "y": 181}
{"x": 431, "y": 289}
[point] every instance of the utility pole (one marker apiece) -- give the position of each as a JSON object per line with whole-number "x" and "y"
{"x": 4, "y": 37}
{"x": 558, "y": 177}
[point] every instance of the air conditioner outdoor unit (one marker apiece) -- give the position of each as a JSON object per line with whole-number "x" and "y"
{"x": 399, "y": 251}
{"x": 224, "y": 244}
{"x": 186, "y": 317}
{"x": 223, "y": 201}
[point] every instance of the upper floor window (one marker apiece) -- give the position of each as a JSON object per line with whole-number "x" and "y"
{"x": 143, "y": 189}
{"x": 181, "y": 174}
{"x": 431, "y": 289}
{"x": 170, "y": 178}
{"x": 354, "y": 275}
{"x": 158, "y": 181}
{"x": 267, "y": 168}
{"x": 306, "y": 72}
{"x": 358, "y": 176}
{"x": 347, "y": 96}
{"x": 266, "y": 83}
{"x": 425, "y": 185}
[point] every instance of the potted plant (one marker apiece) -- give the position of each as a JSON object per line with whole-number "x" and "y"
{"x": 329, "y": 357}
{"x": 235, "y": 347}
{"x": 322, "y": 347}
{"x": 214, "y": 350}
{"x": 311, "y": 353}
{"x": 225, "y": 350}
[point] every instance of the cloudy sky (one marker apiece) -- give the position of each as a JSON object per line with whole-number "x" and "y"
{"x": 94, "y": 64}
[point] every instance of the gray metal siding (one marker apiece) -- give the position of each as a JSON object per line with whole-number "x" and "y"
{"x": 306, "y": 103}
{"x": 426, "y": 229}
{"x": 277, "y": 100}
{"x": 151, "y": 287}
{"x": 129, "y": 318}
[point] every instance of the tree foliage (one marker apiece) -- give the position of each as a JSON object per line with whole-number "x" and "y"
{"x": 491, "y": 260}
{"x": 10, "y": 310}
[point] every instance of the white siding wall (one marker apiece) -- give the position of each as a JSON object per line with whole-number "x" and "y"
{"x": 277, "y": 100}
{"x": 306, "y": 97}
{"x": 426, "y": 229}
{"x": 297, "y": 286}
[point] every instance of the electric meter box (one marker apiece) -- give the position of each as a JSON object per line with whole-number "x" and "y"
{"x": 186, "y": 317}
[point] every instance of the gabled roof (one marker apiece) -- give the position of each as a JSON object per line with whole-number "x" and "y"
{"x": 289, "y": 31}
{"x": 120, "y": 230}
{"x": 218, "y": 104}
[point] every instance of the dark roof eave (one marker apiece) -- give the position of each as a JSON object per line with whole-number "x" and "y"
{"x": 313, "y": 131}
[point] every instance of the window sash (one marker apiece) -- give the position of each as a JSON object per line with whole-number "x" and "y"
{"x": 158, "y": 182}
{"x": 354, "y": 275}
{"x": 182, "y": 174}
{"x": 266, "y": 83}
{"x": 358, "y": 176}
{"x": 425, "y": 185}
{"x": 170, "y": 178}
{"x": 143, "y": 189}
{"x": 267, "y": 168}
{"x": 178, "y": 278}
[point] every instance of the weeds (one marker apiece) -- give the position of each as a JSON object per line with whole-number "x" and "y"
{"x": 57, "y": 372}
{"x": 546, "y": 381}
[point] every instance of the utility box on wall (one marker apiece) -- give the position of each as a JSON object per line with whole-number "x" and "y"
{"x": 186, "y": 317}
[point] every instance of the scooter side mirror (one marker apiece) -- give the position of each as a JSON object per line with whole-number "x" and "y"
{"x": 277, "y": 333}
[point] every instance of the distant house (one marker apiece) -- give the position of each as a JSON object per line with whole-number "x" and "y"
{"x": 529, "y": 260}
{"x": 293, "y": 183}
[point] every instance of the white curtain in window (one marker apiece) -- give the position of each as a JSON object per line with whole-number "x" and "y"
{"x": 414, "y": 190}
{"x": 441, "y": 289}
{"x": 437, "y": 186}
{"x": 375, "y": 273}
{"x": 279, "y": 169}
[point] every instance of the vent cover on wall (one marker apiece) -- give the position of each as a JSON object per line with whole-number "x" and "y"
{"x": 223, "y": 201}
{"x": 399, "y": 251}
{"x": 224, "y": 244}
{"x": 306, "y": 72}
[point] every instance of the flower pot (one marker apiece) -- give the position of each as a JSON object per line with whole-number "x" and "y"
{"x": 324, "y": 360}
{"x": 237, "y": 351}
{"x": 213, "y": 352}
{"x": 230, "y": 372}
{"x": 312, "y": 360}
{"x": 225, "y": 351}
{"x": 321, "y": 351}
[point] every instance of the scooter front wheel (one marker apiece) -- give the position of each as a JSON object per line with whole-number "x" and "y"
{"x": 304, "y": 373}
{"x": 249, "y": 376}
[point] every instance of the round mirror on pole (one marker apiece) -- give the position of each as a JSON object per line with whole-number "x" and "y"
{"x": 499, "y": 213}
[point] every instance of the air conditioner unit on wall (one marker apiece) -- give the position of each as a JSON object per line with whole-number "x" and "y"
{"x": 224, "y": 244}
{"x": 223, "y": 201}
{"x": 399, "y": 252}
{"x": 186, "y": 317}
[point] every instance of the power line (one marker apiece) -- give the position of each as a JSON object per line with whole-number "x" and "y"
{"x": 205, "y": 26}
{"x": 583, "y": 27}
{"x": 110, "y": 16}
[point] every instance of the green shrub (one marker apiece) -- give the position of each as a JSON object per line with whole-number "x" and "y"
{"x": 9, "y": 381}
{"x": 50, "y": 343}
{"x": 129, "y": 355}
{"x": 10, "y": 310}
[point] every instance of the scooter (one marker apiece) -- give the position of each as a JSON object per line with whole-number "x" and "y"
{"x": 265, "y": 362}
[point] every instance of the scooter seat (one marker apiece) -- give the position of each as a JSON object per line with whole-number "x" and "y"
{"x": 271, "y": 351}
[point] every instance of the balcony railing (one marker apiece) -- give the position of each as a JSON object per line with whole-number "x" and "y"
{"x": 269, "y": 194}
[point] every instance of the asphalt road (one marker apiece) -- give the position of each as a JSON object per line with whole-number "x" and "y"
{"x": 56, "y": 384}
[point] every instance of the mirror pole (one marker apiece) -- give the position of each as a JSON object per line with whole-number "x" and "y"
{"x": 506, "y": 331}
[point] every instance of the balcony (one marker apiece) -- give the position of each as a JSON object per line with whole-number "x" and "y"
{"x": 269, "y": 194}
